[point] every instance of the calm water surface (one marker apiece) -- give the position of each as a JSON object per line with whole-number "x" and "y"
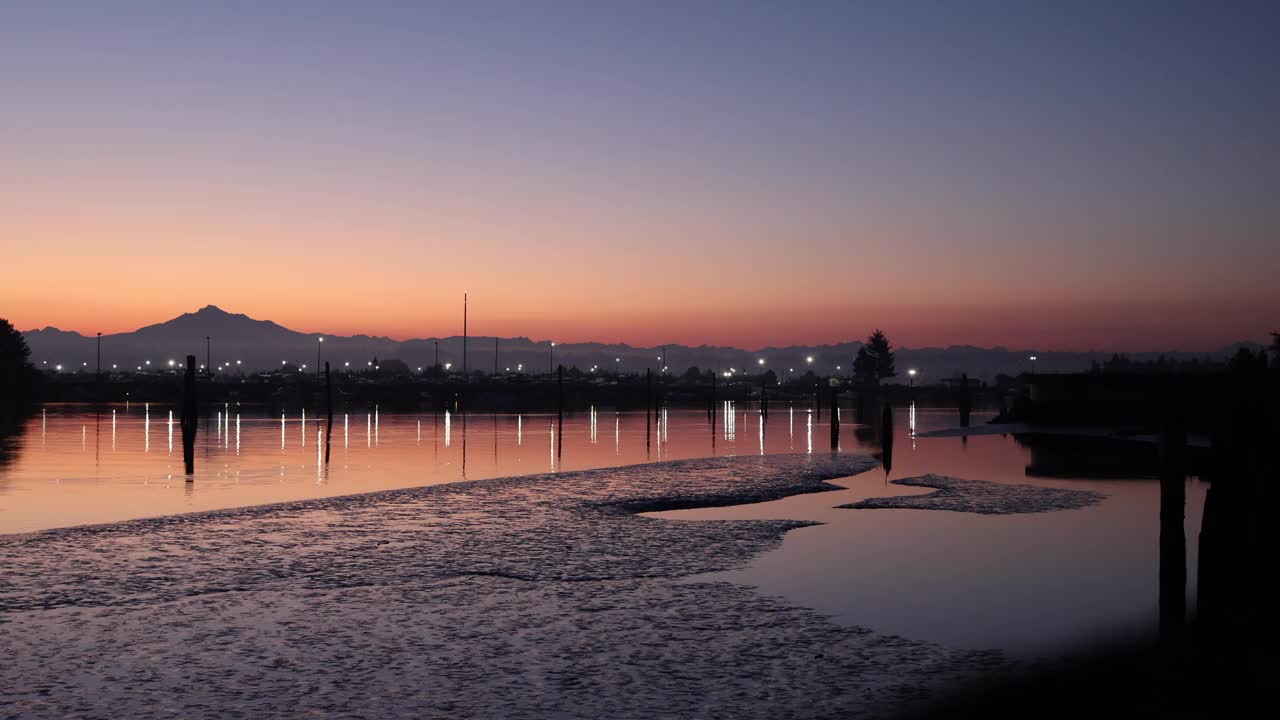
{"x": 1034, "y": 584}
{"x": 73, "y": 466}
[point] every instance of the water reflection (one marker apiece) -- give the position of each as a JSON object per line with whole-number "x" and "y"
{"x": 113, "y": 486}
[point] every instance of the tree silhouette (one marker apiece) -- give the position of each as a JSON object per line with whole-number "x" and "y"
{"x": 874, "y": 361}
{"x": 18, "y": 378}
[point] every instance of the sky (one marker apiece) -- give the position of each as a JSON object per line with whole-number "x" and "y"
{"x": 1033, "y": 174}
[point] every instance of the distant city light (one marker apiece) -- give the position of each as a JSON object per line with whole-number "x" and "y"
{"x": 912, "y": 372}
{"x": 58, "y": 368}
{"x": 760, "y": 361}
{"x": 809, "y": 359}
{"x": 171, "y": 363}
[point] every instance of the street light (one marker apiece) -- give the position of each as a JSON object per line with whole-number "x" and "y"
{"x": 911, "y": 377}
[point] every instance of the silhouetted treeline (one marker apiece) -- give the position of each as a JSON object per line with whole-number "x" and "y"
{"x": 19, "y": 380}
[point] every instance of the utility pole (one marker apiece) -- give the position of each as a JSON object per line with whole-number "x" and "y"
{"x": 495, "y": 356}
{"x": 464, "y": 334}
{"x": 99, "y": 355}
{"x": 208, "y": 354}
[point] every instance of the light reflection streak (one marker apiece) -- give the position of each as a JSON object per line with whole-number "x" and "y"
{"x": 170, "y": 431}
{"x": 519, "y": 430}
{"x": 113, "y": 430}
{"x": 146, "y": 427}
{"x": 448, "y": 429}
{"x": 346, "y": 430}
{"x": 617, "y": 433}
{"x": 237, "y": 438}
{"x": 281, "y": 431}
{"x": 304, "y": 427}
{"x": 810, "y": 431}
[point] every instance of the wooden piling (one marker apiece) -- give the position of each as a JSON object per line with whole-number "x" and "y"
{"x": 648, "y": 405}
{"x": 886, "y": 438}
{"x": 711, "y": 407}
{"x": 1173, "y": 541}
{"x": 965, "y": 401}
{"x": 328, "y": 406}
{"x": 835, "y": 419}
{"x": 189, "y": 418}
{"x": 764, "y": 398}
{"x": 559, "y": 410}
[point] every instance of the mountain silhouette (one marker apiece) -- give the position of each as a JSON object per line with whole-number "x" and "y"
{"x": 263, "y": 344}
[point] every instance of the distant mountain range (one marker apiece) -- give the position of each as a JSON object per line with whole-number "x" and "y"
{"x": 262, "y": 344}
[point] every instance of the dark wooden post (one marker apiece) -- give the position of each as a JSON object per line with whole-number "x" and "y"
{"x": 817, "y": 399}
{"x": 711, "y": 407}
{"x": 886, "y": 438}
{"x": 964, "y": 400}
{"x": 328, "y": 405}
{"x": 835, "y": 419}
{"x": 559, "y": 410}
{"x": 764, "y": 398}
{"x": 648, "y": 405}
{"x": 189, "y": 418}
{"x": 1173, "y": 540}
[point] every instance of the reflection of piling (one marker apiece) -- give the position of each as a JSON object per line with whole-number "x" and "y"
{"x": 886, "y": 438}
{"x": 1173, "y": 541}
{"x": 764, "y": 397}
{"x": 835, "y": 419}
{"x": 817, "y": 400}
{"x": 648, "y": 405}
{"x": 964, "y": 400}
{"x": 328, "y": 406}
{"x": 189, "y": 418}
